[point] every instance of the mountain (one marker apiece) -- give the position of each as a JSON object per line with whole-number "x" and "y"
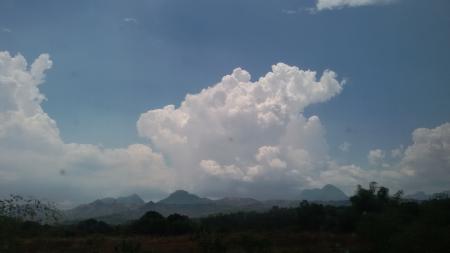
{"x": 181, "y": 197}
{"x": 327, "y": 193}
{"x": 104, "y": 207}
{"x": 132, "y": 200}
{"x": 124, "y": 209}
{"x": 185, "y": 203}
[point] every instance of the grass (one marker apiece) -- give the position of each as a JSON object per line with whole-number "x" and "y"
{"x": 248, "y": 242}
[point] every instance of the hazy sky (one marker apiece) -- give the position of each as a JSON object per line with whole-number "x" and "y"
{"x": 362, "y": 93}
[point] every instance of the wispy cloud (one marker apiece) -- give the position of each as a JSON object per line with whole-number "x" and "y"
{"x": 131, "y": 20}
{"x": 289, "y": 12}
{"x": 345, "y": 147}
{"x": 339, "y": 4}
{"x": 6, "y": 30}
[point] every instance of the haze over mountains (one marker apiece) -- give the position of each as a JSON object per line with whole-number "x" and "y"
{"x": 118, "y": 210}
{"x": 123, "y": 209}
{"x": 105, "y": 207}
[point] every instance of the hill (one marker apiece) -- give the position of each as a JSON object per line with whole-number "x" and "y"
{"x": 104, "y": 207}
{"x": 327, "y": 193}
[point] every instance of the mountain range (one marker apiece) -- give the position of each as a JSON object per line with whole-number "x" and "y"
{"x": 123, "y": 209}
{"x": 105, "y": 207}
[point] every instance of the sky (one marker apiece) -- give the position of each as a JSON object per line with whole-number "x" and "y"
{"x": 242, "y": 98}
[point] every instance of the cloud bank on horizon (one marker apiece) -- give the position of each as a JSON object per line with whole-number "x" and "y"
{"x": 339, "y": 4}
{"x": 237, "y": 137}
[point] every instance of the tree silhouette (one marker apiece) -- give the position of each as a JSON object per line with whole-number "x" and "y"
{"x": 150, "y": 223}
{"x": 178, "y": 224}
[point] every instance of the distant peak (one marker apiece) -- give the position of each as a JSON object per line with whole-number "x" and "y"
{"x": 133, "y": 196}
{"x": 180, "y": 192}
{"x": 330, "y": 187}
{"x": 132, "y": 199}
{"x": 328, "y": 192}
{"x": 182, "y": 197}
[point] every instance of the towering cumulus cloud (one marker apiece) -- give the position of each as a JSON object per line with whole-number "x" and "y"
{"x": 238, "y": 137}
{"x": 245, "y": 136}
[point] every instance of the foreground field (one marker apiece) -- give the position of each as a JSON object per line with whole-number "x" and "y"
{"x": 238, "y": 242}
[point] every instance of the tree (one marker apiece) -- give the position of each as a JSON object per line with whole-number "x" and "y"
{"x": 150, "y": 223}
{"x": 29, "y": 209}
{"x": 22, "y": 217}
{"x": 178, "y": 224}
{"x": 364, "y": 200}
{"x": 373, "y": 199}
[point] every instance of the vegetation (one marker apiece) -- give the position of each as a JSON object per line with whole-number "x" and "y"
{"x": 374, "y": 222}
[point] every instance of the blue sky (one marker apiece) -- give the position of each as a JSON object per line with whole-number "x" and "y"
{"x": 108, "y": 71}
{"x": 113, "y": 60}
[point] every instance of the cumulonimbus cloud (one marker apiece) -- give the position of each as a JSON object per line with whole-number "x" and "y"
{"x": 239, "y": 132}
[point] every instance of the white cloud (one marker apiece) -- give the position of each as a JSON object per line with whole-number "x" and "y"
{"x": 345, "y": 176}
{"x": 244, "y": 137}
{"x": 376, "y": 156}
{"x": 339, "y": 4}
{"x": 32, "y": 152}
{"x": 230, "y": 171}
{"x": 426, "y": 163}
{"x": 6, "y": 30}
{"x": 289, "y": 12}
{"x": 398, "y": 152}
{"x": 243, "y": 132}
{"x": 131, "y": 20}
{"x": 236, "y": 137}
{"x": 345, "y": 146}
{"x": 422, "y": 166}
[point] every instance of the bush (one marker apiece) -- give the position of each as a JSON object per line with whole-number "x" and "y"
{"x": 179, "y": 224}
{"x": 151, "y": 223}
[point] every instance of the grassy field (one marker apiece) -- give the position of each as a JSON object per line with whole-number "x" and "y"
{"x": 234, "y": 242}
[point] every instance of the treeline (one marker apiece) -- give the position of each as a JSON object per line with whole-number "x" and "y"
{"x": 379, "y": 221}
{"x": 382, "y": 222}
